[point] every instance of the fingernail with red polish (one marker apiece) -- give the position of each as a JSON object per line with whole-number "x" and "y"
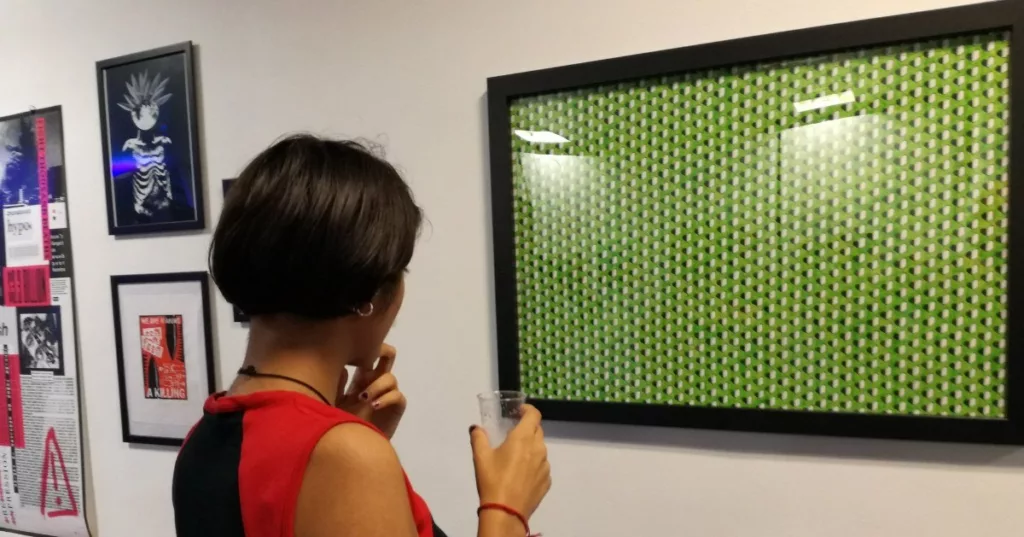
{"x": 375, "y": 405}
{"x": 364, "y": 396}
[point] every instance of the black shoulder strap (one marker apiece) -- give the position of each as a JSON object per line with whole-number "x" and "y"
{"x": 437, "y": 530}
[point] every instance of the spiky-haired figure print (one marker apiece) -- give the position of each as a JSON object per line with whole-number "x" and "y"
{"x": 151, "y": 184}
{"x": 151, "y": 141}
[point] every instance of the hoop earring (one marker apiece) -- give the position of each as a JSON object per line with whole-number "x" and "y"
{"x": 360, "y": 312}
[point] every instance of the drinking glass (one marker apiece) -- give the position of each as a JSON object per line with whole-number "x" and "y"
{"x": 500, "y": 411}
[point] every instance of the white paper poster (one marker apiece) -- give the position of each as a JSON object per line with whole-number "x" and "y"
{"x": 41, "y": 466}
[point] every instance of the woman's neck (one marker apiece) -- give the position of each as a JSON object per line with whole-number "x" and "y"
{"x": 315, "y": 353}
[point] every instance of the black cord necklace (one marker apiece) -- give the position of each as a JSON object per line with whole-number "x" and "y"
{"x": 250, "y": 371}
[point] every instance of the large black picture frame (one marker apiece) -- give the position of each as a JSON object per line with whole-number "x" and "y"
{"x": 116, "y": 282}
{"x": 176, "y": 222}
{"x": 999, "y": 15}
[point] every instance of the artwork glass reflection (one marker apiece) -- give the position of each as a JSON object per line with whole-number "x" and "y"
{"x": 823, "y": 235}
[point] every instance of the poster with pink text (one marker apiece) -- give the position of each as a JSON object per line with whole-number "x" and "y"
{"x": 41, "y": 465}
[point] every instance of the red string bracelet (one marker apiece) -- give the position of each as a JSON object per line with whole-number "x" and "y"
{"x": 509, "y": 510}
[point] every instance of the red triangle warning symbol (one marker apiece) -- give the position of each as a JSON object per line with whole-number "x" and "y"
{"x": 63, "y": 497}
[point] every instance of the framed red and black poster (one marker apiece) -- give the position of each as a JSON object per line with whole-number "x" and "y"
{"x": 163, "y": 359}
{"x": 164, "y": 353}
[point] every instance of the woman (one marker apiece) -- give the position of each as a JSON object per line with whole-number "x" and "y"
{"x": 313, "y": 243}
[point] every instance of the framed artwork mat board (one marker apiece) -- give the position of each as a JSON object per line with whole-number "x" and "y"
{"x": 812, "y": 232}
{"x": 164, "y": 353}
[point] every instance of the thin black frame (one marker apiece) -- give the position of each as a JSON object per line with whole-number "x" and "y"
{"x": 193, "y": 117}
{"x": 999, "y": 15}
{"x": 116, "y": 282}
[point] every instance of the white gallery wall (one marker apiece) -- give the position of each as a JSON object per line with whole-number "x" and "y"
{"x": 412, "y": 75}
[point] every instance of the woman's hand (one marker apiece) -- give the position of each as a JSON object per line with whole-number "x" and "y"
{"x": 516, "y": 474}
{"x": 373, "y": 394}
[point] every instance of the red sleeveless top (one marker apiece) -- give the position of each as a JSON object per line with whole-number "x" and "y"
{"x": 240, "y": 470}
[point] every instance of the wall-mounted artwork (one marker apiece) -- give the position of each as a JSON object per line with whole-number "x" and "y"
{"x": 237, "y": 314}
{"x": 808, "y": 232}
{"x": 40, "y": 413}
{"x": 164, "y": 347}
{"x": 150, "y": 141}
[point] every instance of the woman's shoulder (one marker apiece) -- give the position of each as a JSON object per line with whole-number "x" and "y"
{"x": 354, "y": 485}
{"x": 356, "y": 447}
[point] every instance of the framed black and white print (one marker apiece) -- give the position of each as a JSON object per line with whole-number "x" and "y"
{"x": 164, "y": 353}
{"x": 812, "y": 232}
{"x": 41, "y": 336}
{"x": 150, "y": 141}
{"x": 237, "y": 314}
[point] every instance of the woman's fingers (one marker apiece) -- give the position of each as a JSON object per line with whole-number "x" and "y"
{"x": 364, "y": 377}
{"x": 360, "y": 380}
{"x": 387, "y": 358}
{"x": 378, "y": 388}
{"x": 528, "y": 423}
{"x": 390, "y": 399}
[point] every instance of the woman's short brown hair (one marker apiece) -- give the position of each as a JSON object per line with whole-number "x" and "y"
{"x": 314, "y": 228}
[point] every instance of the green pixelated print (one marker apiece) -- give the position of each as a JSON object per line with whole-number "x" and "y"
{"x": 745, "y": 238}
